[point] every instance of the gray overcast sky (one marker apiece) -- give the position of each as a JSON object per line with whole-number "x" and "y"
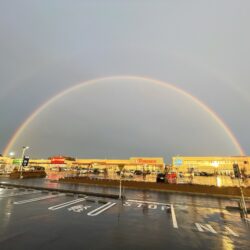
{"x": 199, "y": 46}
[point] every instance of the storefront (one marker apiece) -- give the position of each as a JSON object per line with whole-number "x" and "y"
{"x": 134, "y": 163}
{"x": 214, "y": 165}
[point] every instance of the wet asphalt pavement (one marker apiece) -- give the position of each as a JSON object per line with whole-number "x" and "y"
{"x": 145, "y": 220}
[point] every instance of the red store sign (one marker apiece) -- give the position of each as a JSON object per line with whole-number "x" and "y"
{"x": 146, "y": 161}
{"x": 57, "y": 160}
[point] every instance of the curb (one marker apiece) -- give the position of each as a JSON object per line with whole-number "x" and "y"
{"x": 160, "y": 190}
{"x": 68, "y": 191}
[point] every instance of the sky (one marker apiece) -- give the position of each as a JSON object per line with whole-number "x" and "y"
{"x": 198, "y": 48}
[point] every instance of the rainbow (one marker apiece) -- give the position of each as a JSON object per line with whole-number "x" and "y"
{"x": 194, "y": 99}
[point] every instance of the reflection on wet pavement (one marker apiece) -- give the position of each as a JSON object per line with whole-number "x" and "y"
{"x": 201, "y": 180}
{"x": 146, "y": 220}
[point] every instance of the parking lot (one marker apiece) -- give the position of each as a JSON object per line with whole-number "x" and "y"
{"x": 54, "y": 220}
{"x": 218, "y": 180}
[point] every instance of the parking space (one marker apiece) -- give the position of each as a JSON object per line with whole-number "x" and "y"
{"x": 47, "y": 220}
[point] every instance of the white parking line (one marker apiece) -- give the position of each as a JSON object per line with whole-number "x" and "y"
{"x": 17, "y": 194}
{"x": 230, "y": 231}
{"x": 101, "y": 209}
{"x": 149, "y": 202}
{"x": 37, "y": 199}
{"x": 59, "y": 206}
{"x": 175, "y": 225}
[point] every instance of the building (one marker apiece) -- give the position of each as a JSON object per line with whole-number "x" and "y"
{"x": 133, "y": 163}
{"x": 6, "y": 164}
{"x": 5, "y": 160}
{"x": 211, "y": 164}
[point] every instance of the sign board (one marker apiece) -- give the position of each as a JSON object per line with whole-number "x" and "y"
{"x": 178, "y": 162}
{"x": 57, "y": 160}
{"x": 25, "y": 162}
{"x": 17, "y": 161}
{"x": 149, "y": 161}
{"x": 146, "y": 161}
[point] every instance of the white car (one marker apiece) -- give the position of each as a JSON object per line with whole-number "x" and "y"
{"x": 83, "y": 171}
{"x": 127, "y": 175}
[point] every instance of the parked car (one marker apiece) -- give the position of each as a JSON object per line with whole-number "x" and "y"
{"x": 205, "y": 174}
{"x": 171, "y": 177}
{"x": 84, "y": 171}
{"x": 127, "y": 175}
{"x": 76, "y": 169}
{"x": 35, "y": 168}
{"x": 96, "y": 171}
{"x": 147, "y": 172}
{"x": 54, "y": 169}
{"x": 138, "y": 172}
{"x": 161, "y": 177}
{"x": 181, "y": 175}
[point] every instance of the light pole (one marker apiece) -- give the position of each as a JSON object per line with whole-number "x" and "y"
{"x": 238, "y": 175}
{"x": 144, "y": 169}
{"x": 121, "y": 166}
{"x": 243, "y": 203}
{"x": 21, "y": 165}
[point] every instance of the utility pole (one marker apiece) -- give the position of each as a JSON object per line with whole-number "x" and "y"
{"x": 238, "y": 175}
{"x": 120, "y": 166}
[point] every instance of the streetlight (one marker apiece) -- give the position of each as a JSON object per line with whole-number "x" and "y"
{"x": 12, "y": 154}
{"x": 120, "y": 166}
{"x": 21, "y": 164}
{"x": 238, "y": 175}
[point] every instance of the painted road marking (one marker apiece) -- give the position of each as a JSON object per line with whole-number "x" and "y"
{"x": 153, "y": 205}
{"x": 37, "y": 199}
{"x": 229, "y": 230}
{"x": 165, "y": 208}
{"x": 59, "y": 206}
{"x": 5, "y": 188}
{"x": 101, "y": 209}
{"x": 209, "y": 229}
{"x": 17, "y": 194}
{"x": 149, "y": 202}
{"x": 205, "y": 227}
{"x": 150, "y": 205}
{"x": 175, "y": 225}
{"x": 78, "y": 208}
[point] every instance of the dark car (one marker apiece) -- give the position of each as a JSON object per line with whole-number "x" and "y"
{"x": 138, "y": 172}
{"x": 205, "y": 174}
{"x": 37, "y": 168}
{"x": 161, "y": 177}
{"x": 96, "y": 171}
